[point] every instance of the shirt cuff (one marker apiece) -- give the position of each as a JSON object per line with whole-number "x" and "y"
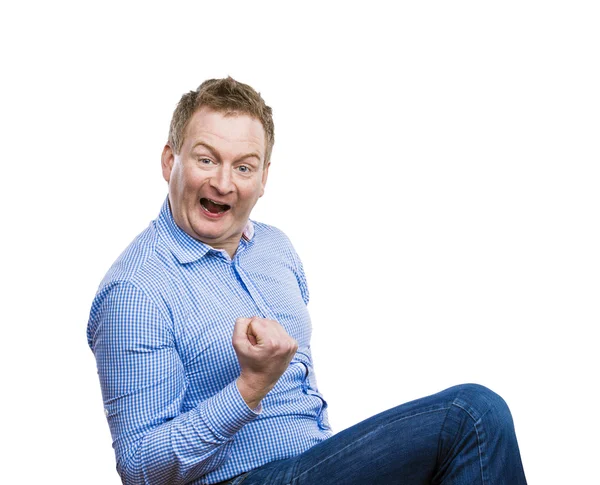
{"x": 226, "y": 412}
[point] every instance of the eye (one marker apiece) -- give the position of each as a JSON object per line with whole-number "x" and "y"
{"x": 244, "y": 169}
{"x": 204, "y": 161}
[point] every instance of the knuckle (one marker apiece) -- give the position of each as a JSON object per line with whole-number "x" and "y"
{"x": 260, "y": 322}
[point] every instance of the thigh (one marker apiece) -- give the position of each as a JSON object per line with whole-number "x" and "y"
{"x": 401, "y": 442}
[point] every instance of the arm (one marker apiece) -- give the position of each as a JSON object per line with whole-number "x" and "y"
{"x": 143, "y": 385}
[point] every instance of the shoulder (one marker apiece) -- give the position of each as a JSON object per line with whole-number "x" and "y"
{"x": 144, "y": 264}
{"x": 134, "y": 259}
{"x": 135, "y": 285}
{"x": 276, "y": 249}
{"x": 272, "y": 242}
{"x": 271, "y": 236}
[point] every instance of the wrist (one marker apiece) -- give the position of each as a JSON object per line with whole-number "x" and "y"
{"x": 250, "y": 393}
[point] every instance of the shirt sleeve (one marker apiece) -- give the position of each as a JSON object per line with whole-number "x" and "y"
{"x": 143, "y": 385}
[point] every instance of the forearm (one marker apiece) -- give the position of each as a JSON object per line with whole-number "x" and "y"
{"x": 190, "y": 445}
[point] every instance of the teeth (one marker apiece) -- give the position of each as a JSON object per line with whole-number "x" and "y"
{"x": 215, "y": 203}
{"x": 206, "y": 210}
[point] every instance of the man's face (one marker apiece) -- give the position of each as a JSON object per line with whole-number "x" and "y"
{"x": 217, "y": 177}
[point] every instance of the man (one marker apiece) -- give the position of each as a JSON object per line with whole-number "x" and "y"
{"x": 202, "y": 340}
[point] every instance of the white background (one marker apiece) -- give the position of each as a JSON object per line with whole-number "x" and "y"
{"x": 435, "y": 165}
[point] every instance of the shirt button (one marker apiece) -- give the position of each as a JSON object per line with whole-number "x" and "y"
{"x": 106, "y": 412}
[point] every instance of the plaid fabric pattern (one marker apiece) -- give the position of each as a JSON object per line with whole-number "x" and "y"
{"x": 160, "y": 328}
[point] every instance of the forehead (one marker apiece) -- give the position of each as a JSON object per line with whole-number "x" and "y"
{"x": 232, "y": 132}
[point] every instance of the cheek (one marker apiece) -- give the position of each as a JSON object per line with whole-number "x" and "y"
{"x": 190, "y": 181}
{"x": 183, "y": 192}
{"x": 251, "y": 192}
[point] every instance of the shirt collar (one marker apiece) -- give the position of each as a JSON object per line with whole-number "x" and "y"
{"x": 248, "y": 233}
{"x": 185, "y": 248}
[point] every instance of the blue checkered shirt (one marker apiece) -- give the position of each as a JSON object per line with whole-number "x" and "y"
{"x": 160, "y": 328}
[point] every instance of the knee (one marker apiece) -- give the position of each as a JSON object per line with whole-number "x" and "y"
{"x": 481, "y": 403}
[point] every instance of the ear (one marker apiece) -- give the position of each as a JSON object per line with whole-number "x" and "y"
{"x": 265, "y": 175}
{"x": 167, "y": 159}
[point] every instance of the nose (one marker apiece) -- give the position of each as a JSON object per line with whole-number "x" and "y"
{"x": 221, "y": 180}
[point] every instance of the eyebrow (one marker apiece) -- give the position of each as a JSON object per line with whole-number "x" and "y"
{"x": 215, "y": 152}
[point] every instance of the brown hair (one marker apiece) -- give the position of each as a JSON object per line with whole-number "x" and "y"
{"x": 227, "y": 96}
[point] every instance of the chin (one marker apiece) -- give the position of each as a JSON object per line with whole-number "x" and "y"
{"x": 207, "y": 236}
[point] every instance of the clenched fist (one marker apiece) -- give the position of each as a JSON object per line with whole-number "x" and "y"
{"x": 264, "y": 350}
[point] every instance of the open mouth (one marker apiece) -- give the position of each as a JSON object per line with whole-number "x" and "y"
{"x": 213, "y": 207}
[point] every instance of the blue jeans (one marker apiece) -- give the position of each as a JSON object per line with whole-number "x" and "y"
{"x": 461, "y": 436}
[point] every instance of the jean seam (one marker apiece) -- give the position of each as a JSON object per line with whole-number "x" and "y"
{"x": 476, "y": 419}
{"x": 294, "y": 479}
{"x": 440, "y": 434}
{"x": 476, "y": 423}
{"x": 479, "y": 447}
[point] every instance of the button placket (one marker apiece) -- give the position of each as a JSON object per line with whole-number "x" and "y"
{"x": 252, "y": 291}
